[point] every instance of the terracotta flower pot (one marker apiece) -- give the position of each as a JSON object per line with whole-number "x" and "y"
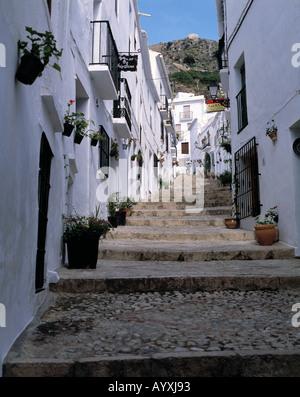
{"x": 273, "y": 136}
{"x": 231, "y": 223}
{"x": 265, "y": 234}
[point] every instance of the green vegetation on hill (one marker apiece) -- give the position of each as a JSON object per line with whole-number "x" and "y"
{"x": 191, "y": 64}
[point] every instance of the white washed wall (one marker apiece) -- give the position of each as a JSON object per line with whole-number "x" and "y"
{"x": 265, "y": 40}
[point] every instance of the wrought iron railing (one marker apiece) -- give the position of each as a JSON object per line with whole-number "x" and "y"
{"x": 246, "y": 179}
{"x": 104, "y": 49}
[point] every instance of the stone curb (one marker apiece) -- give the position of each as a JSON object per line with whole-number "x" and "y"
{"x": 207, "y": 364}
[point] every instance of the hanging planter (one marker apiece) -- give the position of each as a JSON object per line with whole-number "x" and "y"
{"x": 273, "y": 136}
{"x": 34, "y": 60}
{"x": 30, "y": 68}
{"x": 114, "y": 150}
{"x": 78, "y": 137}
{"x": 68, "y": 129}
{"x": 96, "y": 137}
{"x": 271, "y": 131}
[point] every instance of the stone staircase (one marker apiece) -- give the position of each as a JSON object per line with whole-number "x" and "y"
{"x": 170, "y": 226}
{"x": 173, "y": 242}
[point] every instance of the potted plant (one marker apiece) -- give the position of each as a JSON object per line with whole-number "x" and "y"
{"x": 112, "y": 210}
{"x": 114, "y": 150}
{"x": 126, "y": 205}
{"x": 69, "y": 120}
{"x": 271, "y": 131}
{"x": 265, "y": 230}
{"x": 34, "y": 60}
{"x": 82, "y": 235}
{"x": 96, "y": 137}
{"x": 81, "y": 125}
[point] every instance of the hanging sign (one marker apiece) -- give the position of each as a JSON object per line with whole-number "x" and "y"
{"x": 128, "y": 63}
{"x": 212, "y": 106}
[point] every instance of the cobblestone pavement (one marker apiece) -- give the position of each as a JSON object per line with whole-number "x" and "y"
{"x": 89, "y": 325}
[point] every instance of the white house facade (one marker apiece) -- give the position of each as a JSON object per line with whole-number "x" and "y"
{"x": 189, "y": 115}
{"x": 259, "y": 53}
{"x": 209, "y": 140}
{"x": 44, "y": 173}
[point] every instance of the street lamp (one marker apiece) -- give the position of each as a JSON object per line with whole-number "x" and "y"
{"x": 213, "y": 90}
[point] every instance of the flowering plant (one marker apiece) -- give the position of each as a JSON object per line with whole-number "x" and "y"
{"x": 97, "y": 135}
{"x": 271, "y": 217}
{"x": 114, "y": 150}
{"x": 77, "y": 227}
{"x": 272, "y": 128}
{"x": 69, "y": 118}
{"x": 134, "y": 140}
{"x": 77, "y": 119}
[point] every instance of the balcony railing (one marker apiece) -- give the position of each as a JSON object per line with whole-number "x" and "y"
{"x": 104, "y": 53}
{"x": 122, "y": 110}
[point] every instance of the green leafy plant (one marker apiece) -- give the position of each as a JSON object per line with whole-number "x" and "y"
{"x": 226, "y": 145}
{"x": 225, "y": 178}
{"x": 43, "y": 47}
{"x": 271, "y": 217}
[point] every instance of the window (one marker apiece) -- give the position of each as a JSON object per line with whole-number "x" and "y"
{"x": 185, "y": 148}
{"x": 104, "y": 149}
{"x": 242, "y": 101}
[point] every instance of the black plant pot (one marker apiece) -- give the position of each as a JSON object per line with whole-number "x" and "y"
{"x": 68, "y": 129}
{"x": 113, "y": 220}
{"x": 78, "y": 138}
{"x": 94, "y": 142}
{"x": 29, "y": 69}
{"x": 83, "y": 253}
{"x": 121, "y": 218}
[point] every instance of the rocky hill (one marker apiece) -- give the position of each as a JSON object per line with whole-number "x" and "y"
{"x": 192, "y": 63}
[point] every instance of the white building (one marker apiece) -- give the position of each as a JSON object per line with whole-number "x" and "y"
{"x": 189, "y": 114}
{"x": 209, "y": 140}
{"x": 259, "y": 44}
{"x": 45, "y": 174}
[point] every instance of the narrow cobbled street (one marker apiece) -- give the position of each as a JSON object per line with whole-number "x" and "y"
{"x": 175, "y": 293}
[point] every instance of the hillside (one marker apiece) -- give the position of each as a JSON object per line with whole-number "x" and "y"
{"x": 191, "y": 63}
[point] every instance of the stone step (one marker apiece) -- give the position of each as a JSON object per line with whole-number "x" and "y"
{"x": 189, "y": 210}
{"x": 118, "y": 276}
{"x": 179, "y": 221}
{"x": 245, "y": 363}
{"x": 181, "y": 204}
{"x": 146, "y": 250}
{"x": 180, "y": 233}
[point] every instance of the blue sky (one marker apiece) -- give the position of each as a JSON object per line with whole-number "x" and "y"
{"x": 176, "y": 19}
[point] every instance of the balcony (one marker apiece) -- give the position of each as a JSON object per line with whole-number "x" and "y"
{"x": 164, "y": 107}
{"x": 104, "y": 60}
{"x": 122, "y": 111}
